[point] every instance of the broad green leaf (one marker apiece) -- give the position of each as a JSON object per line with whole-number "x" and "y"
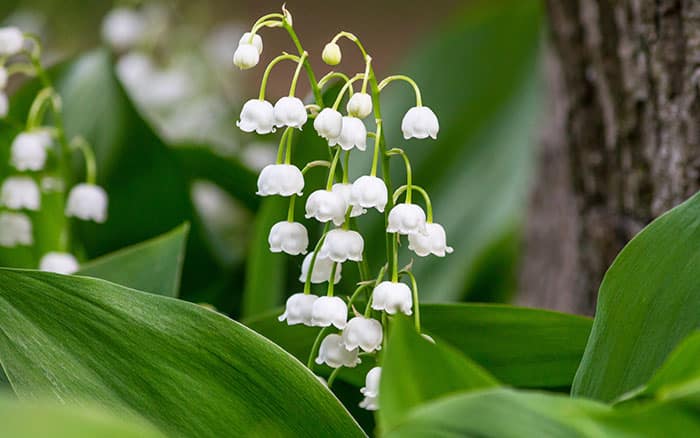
{"x": 186, "y": 369}
{"x": 44, "y": 419}
{"x": 648, "y": 302}
{"x": 528, "y": 348}
{"x": 416, "y": 371}
{"x": 152, "y": 266}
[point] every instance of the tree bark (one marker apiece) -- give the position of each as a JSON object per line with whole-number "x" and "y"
{"x": 624, "y": 124}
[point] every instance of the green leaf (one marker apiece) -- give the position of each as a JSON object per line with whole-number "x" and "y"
{"x": 648, "y": 302}
{"x": 416, "y": 371}
{"x": 43, "y": 419}
{"x": 152, "y": 266}
{"x": 188, "y": 370}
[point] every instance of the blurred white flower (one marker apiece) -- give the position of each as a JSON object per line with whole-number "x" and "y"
{"x": 406, "y": 219}
{"x": 257, "y": 115}
{"x": 345, "y": 190}
{"x": 369, "y": 192}
{"x": 3, "y": 78}
{"x": 59, "y": 263}
{"x": 221, "y": 41}
{"x": 28, "y": 151}
{"x": 341, "y": 245}
{"x": 246, "y": 56}
{"x": 371, "y": 390}
{"x": 20, "y": 192}
{"x": 4, "y": 105}
{"x": 420, "y": 122}
{"x": 123, "y": 28}
{"x": 322, "y": 269}
{"x": 353, "y": 134}
{"x": 258, "y": 155}
{"x": 11, "y": 41}
{"x": 87, "y": 202}
{"x": 325, "y": 205}
{"x": 280, "y": 179}
{"x": 392, "y": 298}
{"x": 329, "y": 311}
{"x": 365, "y": 333}
{"x": 360, "y": 105}
{"x": 334, "y": 354}
{"x": 15, "y": 229}
{"x": 290, "y": 111}
{"x": 328, "y": 123}
{"x": 289, "y": 237}
{"x": 434, "y": 241}
{"x": 298, "y": 309}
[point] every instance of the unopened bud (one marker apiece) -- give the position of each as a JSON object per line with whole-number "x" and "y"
{"x": 331, "y": 54}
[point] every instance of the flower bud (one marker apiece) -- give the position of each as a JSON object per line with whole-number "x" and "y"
{"x": 280, "y": 179}
{"x": 334, "y": 354}
{"x": 59, "y": 263}
{"x": 420, "y": 122}
{"x": 371, "y": 390}
{"x": 257, "y": 115}
{"x": 392, "y": 298}
{"x": 353, "y": 134}
{"x": 329, "y": 311}
{"x": 28, "y": 151}
{"x": 326, "y": 205}
{"x": 360, "y": 105}
{"x": 331, "y": 54}
{"x": 434, "y": 241}
{"x": 345, "y": 191}
{"x": 289, "y": 237}
{"x": 123, "y": 28}
{"x": 290, "y": 111}
{"x": 246, "y": 56}
{"x": 298, "y": 309}
{"x": 365, "y": 333}
{"x": 87, "y": 202}
{"x": 369, "y": 192}
{"x": 15, "y": 229}
{"x": 341, "y": 245}
{"x": 257, "y": 41}
{"x": 406, "y": 219}
{"x": 20, "y": 192}
{"x": 328, "y": 123}
{"x": 11, "y": 41}
{"x": 322, "y": 269}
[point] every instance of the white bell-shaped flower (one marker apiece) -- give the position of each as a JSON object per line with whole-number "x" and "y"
{"x": 15, "y": 229}
{"x": 341, "y": 245}
{"x": 123, "y": 28}
{"x": 345, "y": 190}
{"x": 420, "y": 122}
{"x": 369, "y": 403}
{"x": 406, "y": 219}
{"x": 87, "y": 202}
{"x": 329, "y": 311}
{"x": 246, "y": 56}
{"x": 371, "y": 389}
{"x": 322, "y": 269}
{"x": 257, "y": 41}
{"x": 257, "y": 115}
{"x": 4, "y": 105}
{"x": 434, "y": 241}
{"x": 280, "y": 179}
{"x": 365, "y": 333}
{"x": 353, "y": 134}
{"x": 328, "y": 123}
{"x": 20, "y": 192}
{"x": 392, "y": 298}
{"x": 290, "y": 111}
{"x": 11, "y": 41}
{"x": 28, "y": 151}
{"x": 369, "y": 192}
{"x": 334, "y": 354}
{"x": 326, "y": 205}
{"x": 59, "y": 262}
{"x": 298, "y": 309}
{"x": 360, "y": 105}
{"x": 289, "y": 237}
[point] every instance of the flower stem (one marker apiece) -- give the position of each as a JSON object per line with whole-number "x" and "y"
{"x": 290, "y": 210}
{"x": 409, "y": 173}
{"x": 331, "y": 172}
{"x": 390, "y": 79}
{"x": 332, "y": 377}
{"x": 280, "y": 148}
{"x": 331, "y": 280}
{"x": 293, "y": 87}
{"x": 377, "y": 139}
{"x": 314, "y": 347}
{"x": 416, "y": 304}
{"x": 266, "y": 75}
{"x": 307, "y": 283}
{"x": 426, "y": 198}
{"x": 79, "y": 143}
{"x": 309, "y": 71}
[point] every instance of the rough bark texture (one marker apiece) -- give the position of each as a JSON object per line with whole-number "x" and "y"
{"x": 625, "y": 121}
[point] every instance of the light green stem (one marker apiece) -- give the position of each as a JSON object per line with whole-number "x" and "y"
{"x": 266, "y": 75}
{"x": 331, "y": 280}
{"x": 390, "y": 79}
{"x": 307, "y": 283}
{"x": 293, "y": 87}
{"x": 377, "y": 147}
{"x": 281, "y": 147}
{"x": 416, "y": 304}
{"x": 314, "y": 347}
{"x": 409, "y": 173}
{"x": 79, "y": 143}
{"x": 331, "y": 172}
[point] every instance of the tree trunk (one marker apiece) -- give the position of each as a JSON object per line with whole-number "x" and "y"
{"x": 622, "y": 142}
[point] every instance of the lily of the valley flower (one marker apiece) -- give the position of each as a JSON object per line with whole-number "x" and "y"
{"x": 326, "y": 205}
{"x": 280, "y": 179}
{"x": 434, "y": 241}
{"x": 365, "y": 333}
{"x": 322, "y": 269}
{"x": 15, "y": 229}
{"x": 257, "y": 115}
{"x": 20, "y": 192}
{"x": 11, "y": 41}
{"x": 28, "y": 151}
{"x": 331, "y": 54}
{"x": 328, "y": 123}
{"x": 87, "y": 202}
{"x": 420, "y": 122}
{"x": 406, "y": 219}
{"x": 353, "y": 134}
{"x": 290, "y": 111}
{"x": 342, "y": 245}
{"x": 371, "y": 389}
{"x": 289, "y": 237}
{"x": 257, "y": 41}
{"x": 369, "y": 192}
{"x": 298, "y": 309}
{"x": 345, "y": 190}
{"x": 392, "y": 298}
{"x": 247, "y": 54}
{"x": 360, "y": 105}
{"x": 334, "y": 354}
{"x": 59, "y": 263}
{"x": 329, "y": 311}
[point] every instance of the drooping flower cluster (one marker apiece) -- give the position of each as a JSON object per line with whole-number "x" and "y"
{"x": 39, "y": 162}
{"x": 346, "y": 334}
